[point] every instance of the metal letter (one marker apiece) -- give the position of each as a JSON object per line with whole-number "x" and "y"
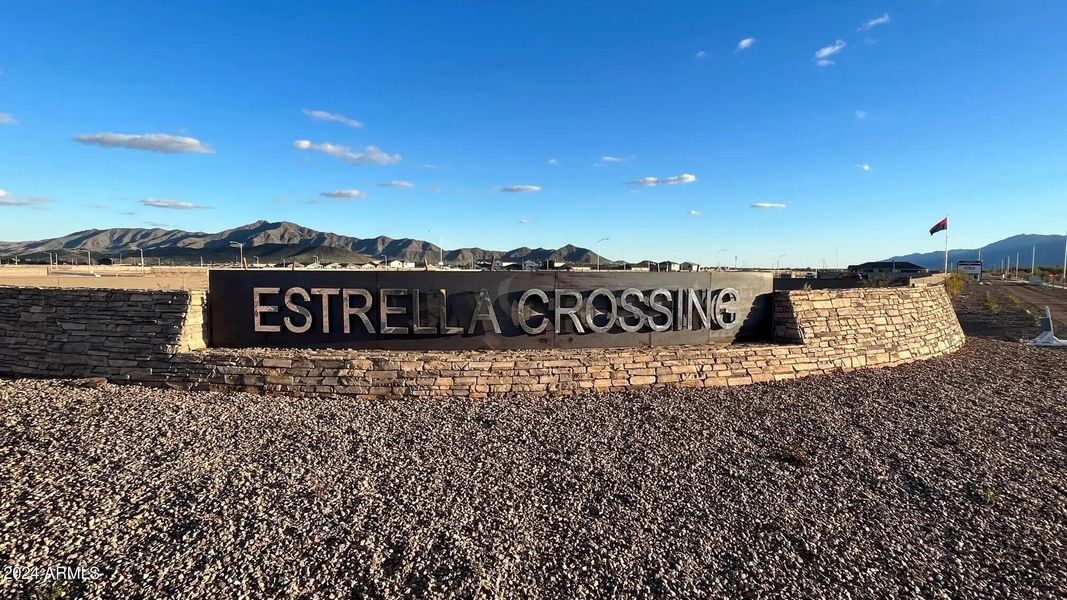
{"x": 384, "y": 310}
{"x": 703, "y": 312}
{"x": 289, "y": 293}
{"x": 633, "y": 310}
{"x": 679, "y": 311}
{"x": 591, "y": 312}
{"x": 416, "y": 315}
{"x": 258, "y": 309}
{"x": 661, "y": 309}
{"x": 568, "y": 310}
{"x": 521, "y": 315}
{"x": 325, "y": 293}
{"x": 443, "y": 327}
{"x": 720, "y": 313}
{"x": 483, "y": 311}
{"x": 360, "y": 312}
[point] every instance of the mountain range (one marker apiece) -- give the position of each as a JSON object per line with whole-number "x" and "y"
{"x": 1045, "y": 250}
{"x": 269, "y": 242}
{"x": 274, "y": 242}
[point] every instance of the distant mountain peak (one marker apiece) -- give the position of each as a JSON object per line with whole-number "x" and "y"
{"x": 276, "y": 240}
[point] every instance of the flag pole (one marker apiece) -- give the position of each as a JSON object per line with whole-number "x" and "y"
{"x": 946, "y": 244}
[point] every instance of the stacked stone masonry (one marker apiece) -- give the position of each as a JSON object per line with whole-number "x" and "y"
{"x": 156, "y": 338}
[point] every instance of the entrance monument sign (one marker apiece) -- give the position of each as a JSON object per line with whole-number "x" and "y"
{"x": 490, "y": 310}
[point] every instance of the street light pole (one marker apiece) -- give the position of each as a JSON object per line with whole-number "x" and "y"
{"x": 598, "y": 251}
{"x": 1064, "y": 278}
{"x": 240, "y": 246}
{"x": 718, "y": 263}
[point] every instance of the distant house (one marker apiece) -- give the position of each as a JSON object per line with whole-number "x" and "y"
{"x": 883, "y": 268}
{"x": 105, "y": 261}
{"x": 531, "y": 265}
{"x": 689, "y": 266}
{"x": 668, "y": 265}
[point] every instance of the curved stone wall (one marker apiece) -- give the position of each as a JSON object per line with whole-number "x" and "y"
{"x": 156, "y": 338}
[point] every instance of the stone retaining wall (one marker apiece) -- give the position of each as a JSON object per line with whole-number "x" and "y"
{"x": 79, "y": 332}
{"x": 155, "y": 338}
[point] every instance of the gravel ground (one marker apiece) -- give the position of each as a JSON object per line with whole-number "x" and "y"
{"x": 941, "y": 478}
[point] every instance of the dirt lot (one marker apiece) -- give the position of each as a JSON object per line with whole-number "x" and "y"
{"x": 151, "y": 278}
{"x": 1009, "y": 310}
{"x": 943, "y": 478}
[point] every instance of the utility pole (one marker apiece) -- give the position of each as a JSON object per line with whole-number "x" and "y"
{"x": 1016, "y": 265}
{"x": 1033, "y": 260}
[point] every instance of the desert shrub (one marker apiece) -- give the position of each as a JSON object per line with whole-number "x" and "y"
{"x": 954, "y": 284}
{"x": 991, "y": 303}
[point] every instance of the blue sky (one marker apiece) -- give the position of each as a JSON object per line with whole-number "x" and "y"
{"x": 956, "y": 107}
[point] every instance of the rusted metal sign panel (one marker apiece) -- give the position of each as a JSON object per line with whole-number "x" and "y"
{"x": 462, "y": 310}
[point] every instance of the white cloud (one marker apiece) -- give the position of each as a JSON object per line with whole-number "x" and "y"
{"x": 553, "y": 161}
{"x": 882, "y": 20}
{"x": 172, "y": 204}
{"x": 397, "y": 183}
{"x": 345, "y": 194}
{"x": 822, "y": 55}
{"x": 701, "y": 55}
{"x": 768, "y": 205}
{"x": 154, "y": 224}
{"x": 745, "y": 44}
{"x": 525, "y": 222}
{"x": 611, "y": 159}
{"x": 321, "y": 115}
{"x": 8, "y": 119}
{"x": 369, "y": 154}
{"x": 518, "y": 189}
{"x": 863, "y": 167}
{"x": 152, "y": 142}
{"x": 694, "y": 213}
{"x": 650, "y": 181}
{"x": 861, "y": 114}
{"x": 6, "y": 199}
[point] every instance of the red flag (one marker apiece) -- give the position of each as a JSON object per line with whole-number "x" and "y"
{"x": 942, "y": 225}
